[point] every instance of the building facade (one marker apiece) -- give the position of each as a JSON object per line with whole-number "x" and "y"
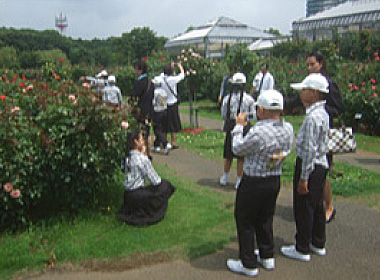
{"x": 348, "y": 17}
{"x": 315, "y": 6}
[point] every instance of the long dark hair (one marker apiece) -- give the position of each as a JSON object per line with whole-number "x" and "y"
{"x": 319, "y": 57}
{"x": 131, "y": 137}
{"x": 168, "y": 69}
{"x": 235, "y": 88}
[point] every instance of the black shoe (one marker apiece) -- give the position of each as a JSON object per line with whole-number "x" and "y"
{"x": 175, "y": 147}
{"x": 332, "y": 216}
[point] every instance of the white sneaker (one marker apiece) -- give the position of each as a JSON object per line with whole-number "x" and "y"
{"x": 169, "y": 146}
{"x": 318, "y": 251}
{"x": 156, "y": 149}
{"x": 237, "y": 266}
{"x": 223, "y": 179}
{"x": 238, "y": 183}
{"x": 291, "y": 252}
{"x": 166, "y": 150}
{"x": 268, "y": 264}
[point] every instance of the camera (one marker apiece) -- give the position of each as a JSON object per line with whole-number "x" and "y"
{"x": 250, "y": 116}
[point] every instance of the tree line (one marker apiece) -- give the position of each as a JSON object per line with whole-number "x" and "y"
{"x": 28, "y": 48}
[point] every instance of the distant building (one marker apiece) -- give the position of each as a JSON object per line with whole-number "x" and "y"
{"x": 316, "y": 6}
{"x": 214, "y": 37}
{"x": 347, "y": 17}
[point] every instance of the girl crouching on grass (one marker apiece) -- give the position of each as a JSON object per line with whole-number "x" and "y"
{"x": 143, "y": 204}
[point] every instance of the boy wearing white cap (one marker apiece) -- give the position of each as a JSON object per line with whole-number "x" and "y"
{"x": 264, "y": 147}
{"x": 112, "y": 93}
{"x": 310, "y": 171}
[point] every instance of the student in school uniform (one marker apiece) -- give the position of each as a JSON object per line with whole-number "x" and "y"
{"x": 143, "y": 91}
{"x": 237, "y": 101}
{"x": 264, "y": 147}
{"x": 310, "y": 171}
{"x": 263, "y": 81}
{"x": 144, "y": 204}
{"x": 112, "y": 93}
{"x": 169, "y": 84}
{"x": 160, "y": 116}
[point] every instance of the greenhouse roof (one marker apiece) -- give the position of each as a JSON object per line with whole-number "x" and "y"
{"x": 222, "y": 29}
{"x": 346, "y": 9}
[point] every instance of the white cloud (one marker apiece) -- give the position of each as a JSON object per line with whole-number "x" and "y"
{"x": 102, "y": 19}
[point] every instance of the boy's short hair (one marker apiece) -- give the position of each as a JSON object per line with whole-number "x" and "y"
{"x": 140, "y": 65}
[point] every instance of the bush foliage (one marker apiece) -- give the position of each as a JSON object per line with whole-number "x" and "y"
{"x": 60, "y": 146}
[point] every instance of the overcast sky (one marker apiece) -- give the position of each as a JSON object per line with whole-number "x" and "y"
{"x": 104, "y": 18}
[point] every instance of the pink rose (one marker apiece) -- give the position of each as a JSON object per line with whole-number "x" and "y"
{"x": 15, "y": 109}
{"x": 8, "y": 187}
{"x": 15, "y": 193}
{"x": 71, "y": 97}
{"x": 124, "y": 124}
{"x": 373, "y": 87}
{"x": 375, "y": 94}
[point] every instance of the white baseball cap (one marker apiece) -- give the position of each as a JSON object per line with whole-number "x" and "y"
{"x": 313, "y": 81}
{"x": 238, "y": 78}
{"x": 157, "y": 80}
{"x": 271, "y": 100}
{"x": 103, "y": 73}
{"x": 112, "y": 79}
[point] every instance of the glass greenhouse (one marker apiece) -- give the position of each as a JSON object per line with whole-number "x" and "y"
{"x": 214, "y": 37}
{"x": 347, "y": 17}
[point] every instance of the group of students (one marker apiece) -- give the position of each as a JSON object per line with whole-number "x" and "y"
{"x": 158, "y": 104}
{"x": 105, "y": 85}
{"x": 261, "y": 150}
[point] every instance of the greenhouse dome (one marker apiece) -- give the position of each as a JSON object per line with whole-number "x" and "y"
{"x": 214, "y": 37}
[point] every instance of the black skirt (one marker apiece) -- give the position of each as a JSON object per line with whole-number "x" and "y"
{"x": 174, "y": 122}
{"x": 146, "y": 206}
{"x": 227, "y": 149}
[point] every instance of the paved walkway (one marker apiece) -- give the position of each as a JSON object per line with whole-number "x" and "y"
{"x": 353, "y": 242}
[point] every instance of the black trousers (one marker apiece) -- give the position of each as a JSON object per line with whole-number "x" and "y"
{"x": 254, "y": 209}
{"x": 160, "y": 127}
{"x": 309, "y": 210}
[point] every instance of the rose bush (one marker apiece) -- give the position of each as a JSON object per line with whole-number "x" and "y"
{"x": 60, "y": 146}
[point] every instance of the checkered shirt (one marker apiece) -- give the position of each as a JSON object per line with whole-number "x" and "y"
{"x": 139, "y": 168}
{"x": 247, "y": 105}
{"x": 312, "y": 140}
{"x": 265, "y": 147}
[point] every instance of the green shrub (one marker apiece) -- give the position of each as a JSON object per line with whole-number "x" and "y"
{"x": 60, "y": 146}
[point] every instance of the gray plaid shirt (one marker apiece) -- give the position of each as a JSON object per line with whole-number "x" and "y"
{"x": 265, "y": 147}
{"x": 138, "y": 168}
{"x": 312, "y": 140}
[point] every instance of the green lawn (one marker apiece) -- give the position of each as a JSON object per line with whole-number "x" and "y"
{"x": 356, "y": 180}
{"x": 365, "y": 142}
{"x": 199, "y": 221}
